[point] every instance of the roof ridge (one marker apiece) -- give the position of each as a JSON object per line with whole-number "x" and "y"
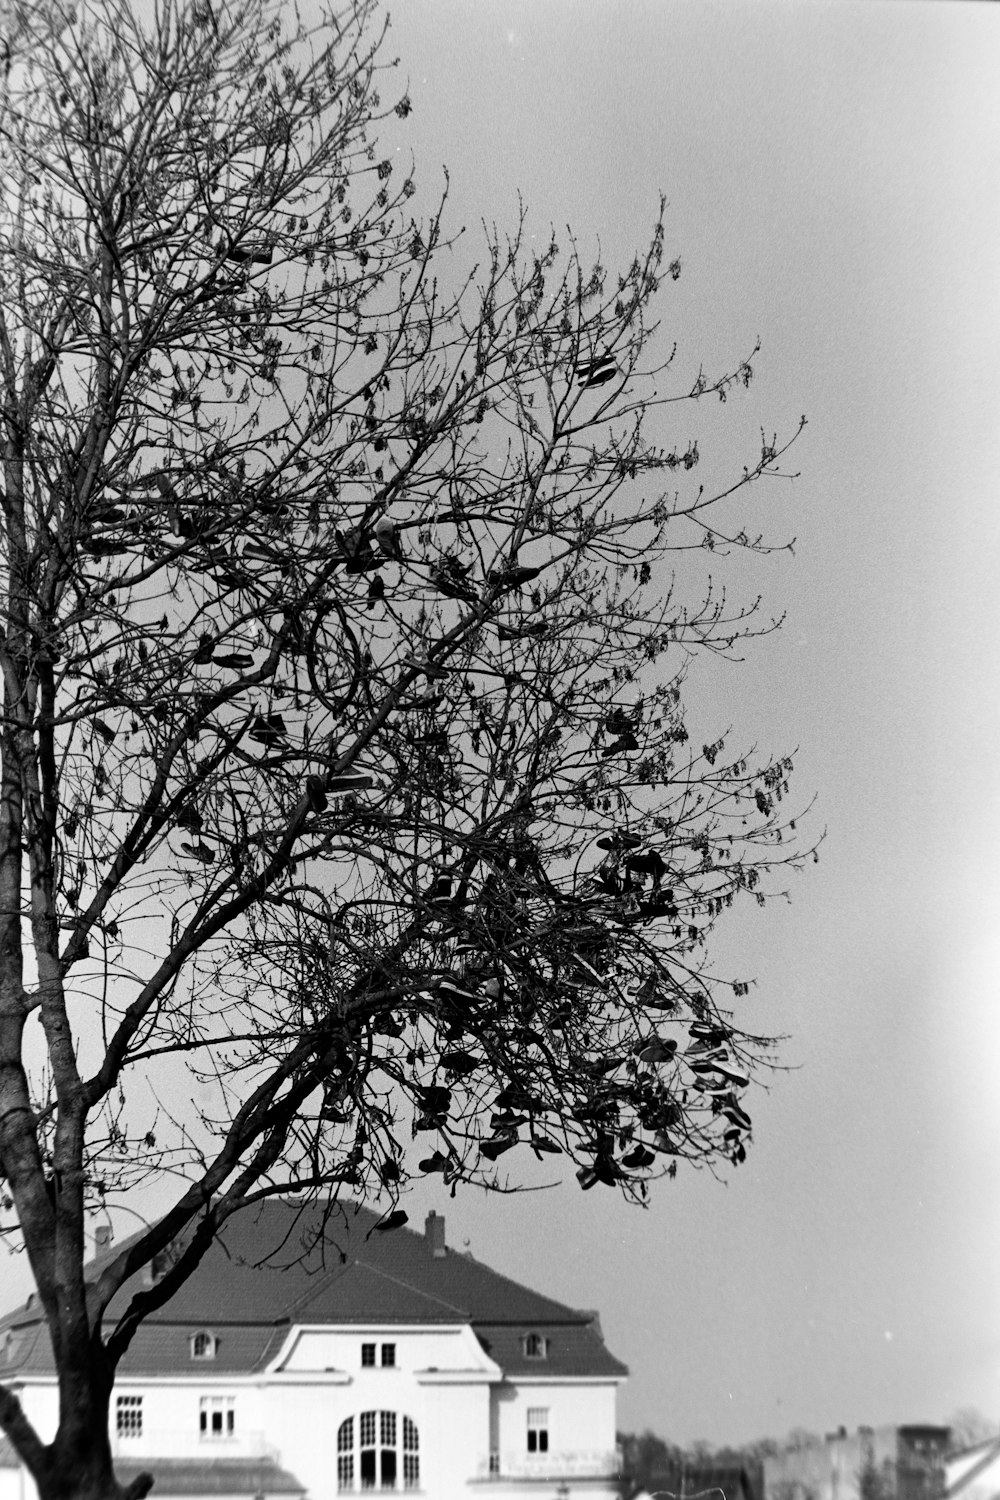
{"x": 351, "y": 1207}
{"x": 488, "y": 1321}
{"x": 409, "y": 1286}
{"x": 311, "y": 1292}
{"x": 573, "y": 1314}
{"x": 8, "y": 1320}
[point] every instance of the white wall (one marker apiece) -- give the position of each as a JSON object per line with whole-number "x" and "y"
{"x": 13, "y": 1485}
{"x": 463, "y": 1409}
{"x": 581, "y": 1418}
{"x": 171, "y": 1418}
{"x": 457, "y": 1422}
{"x": 451, "y": 1416}
{"x": 40, "y": 1402}
{"x": 320, "y": 1348}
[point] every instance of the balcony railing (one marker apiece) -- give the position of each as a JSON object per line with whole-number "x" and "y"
{"x": 570, "y": 1463}
{"x": 188, "y": 1442}
{"x": 369, "y": 1486}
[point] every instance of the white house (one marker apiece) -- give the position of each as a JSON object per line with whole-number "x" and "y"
{"x": 311, "y": 1355}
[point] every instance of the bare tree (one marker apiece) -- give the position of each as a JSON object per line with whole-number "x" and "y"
{"x": 343, "y": 767}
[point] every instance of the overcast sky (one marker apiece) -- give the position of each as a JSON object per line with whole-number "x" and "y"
{"x": 833, "y": 177}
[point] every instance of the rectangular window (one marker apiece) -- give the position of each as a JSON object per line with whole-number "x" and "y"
{"x": 368, "y": 1429}
{"x": 367, "y": 1354}
{"x": 388, "y": 1354}
{"x": 217, "y": 1417}
{"x": 388, "y": 1426}
{"x": 538, "y": 1429}
{"x": 128, "y": 1416}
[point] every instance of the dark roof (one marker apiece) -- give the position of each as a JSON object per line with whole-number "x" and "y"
{"x": 571, "y": 1349}
{"x": 217, "y": 1476}
{"x": 364, "y": 1293}
{"x": 289, "y": 1261}
{"x": 163, "y": 1348}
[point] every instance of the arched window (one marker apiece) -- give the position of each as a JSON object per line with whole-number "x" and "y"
{"x": 378, "y": 1451}
{"x": 535, "y": 1346}
{"x": 203, "y": 1345}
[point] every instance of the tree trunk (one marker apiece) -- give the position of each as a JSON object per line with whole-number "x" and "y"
{"x": 75, "y": 1481}
{"x": 77, "y": 1464}
{"x": 82, "y": 1469}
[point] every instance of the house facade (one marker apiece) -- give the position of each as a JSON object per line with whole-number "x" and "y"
{"x": 311, "y": 1354}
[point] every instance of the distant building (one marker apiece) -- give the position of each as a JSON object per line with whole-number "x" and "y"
{"x": 874, "y": 1463}
{"x": 306, "y": 1360}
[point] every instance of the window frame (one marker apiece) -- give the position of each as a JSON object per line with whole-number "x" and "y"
{"x": 368, "y": 1353}
{"x": 535, "y": 1346}
{"x": 128, "y": 1406}
{"x": 378, "y": 1450}
{"x": 537, "y": 1431}
{"x": 211, "y": 1344}
{"x": 390, "y": 1363}
{"x": 345, "y": 1454}
{"x": 208, "y": 1406}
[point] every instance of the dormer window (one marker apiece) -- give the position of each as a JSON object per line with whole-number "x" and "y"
{"x": 535, "y": 1346}
{"x": 203, "y": 1345}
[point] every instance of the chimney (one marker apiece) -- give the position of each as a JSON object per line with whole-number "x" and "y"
{"x": 434, "y": 1233}
{"x": 594, "y": 1317}
{"x": 102, "y": 1236}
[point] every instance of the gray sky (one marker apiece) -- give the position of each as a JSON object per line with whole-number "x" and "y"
{"x": 833, "y": 177}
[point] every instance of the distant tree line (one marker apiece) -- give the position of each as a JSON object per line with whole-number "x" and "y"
{"x": 645, "y": 1455}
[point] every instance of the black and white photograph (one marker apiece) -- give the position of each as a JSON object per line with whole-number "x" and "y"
{"x": 500, "y": 654}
